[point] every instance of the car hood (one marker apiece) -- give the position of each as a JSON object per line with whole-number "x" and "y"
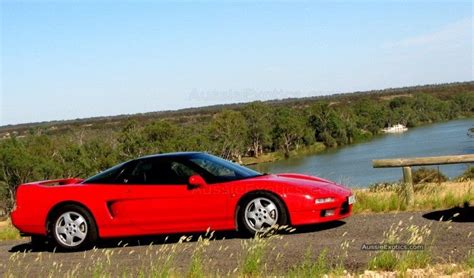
{"x": 307, "y": 183}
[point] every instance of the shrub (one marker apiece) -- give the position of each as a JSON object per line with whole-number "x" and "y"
{"x": 426, "y": 175}
{"x": 468, "y": 174}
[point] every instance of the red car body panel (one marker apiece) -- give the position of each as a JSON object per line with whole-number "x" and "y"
{"x": 132, "y": 209}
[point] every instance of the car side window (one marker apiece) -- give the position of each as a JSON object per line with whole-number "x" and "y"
{"x": 158, "y": 171}
{"x": 140, "y": 174}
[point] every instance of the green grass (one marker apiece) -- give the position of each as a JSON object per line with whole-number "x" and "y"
{"x": 414, "y": 260}
{"x": 470, "y": 260}
{"x": 385, "y": 260}
{"x": 401, "y": 261}
{"x": 254, "y": 254}
{"x": 310, "y": 268}
{"x": 196, "y": 268}
{"x": 8, "y": 232}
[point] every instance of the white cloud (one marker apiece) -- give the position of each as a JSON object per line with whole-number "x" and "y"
{"x": 453, "y": 34}
{"x": 444, "y": 55}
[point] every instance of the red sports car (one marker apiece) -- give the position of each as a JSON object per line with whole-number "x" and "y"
{"x": 173, "y": 193}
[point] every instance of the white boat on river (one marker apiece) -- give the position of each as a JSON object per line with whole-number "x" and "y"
{"x": 398, "y": 128}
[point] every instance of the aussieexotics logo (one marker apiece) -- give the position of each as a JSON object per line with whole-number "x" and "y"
{"x": 392, "y": 247}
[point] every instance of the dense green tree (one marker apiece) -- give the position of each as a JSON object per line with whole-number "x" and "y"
{"x": 327, "y": 124}
{"x": 161, "y": 137}
{"x": 289, "y": 129}
{"x": 131, "y": 141}
{"x": 228, "y": 131}
{"x": 26, "y": 160}
{"x": 257, "y": 116}
{"x": 372, "y": 115}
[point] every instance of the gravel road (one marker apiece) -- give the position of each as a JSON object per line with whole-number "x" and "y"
{"x": 449, "y": 242}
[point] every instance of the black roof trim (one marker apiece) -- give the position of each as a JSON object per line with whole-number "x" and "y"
{"x": 174, "y": 154}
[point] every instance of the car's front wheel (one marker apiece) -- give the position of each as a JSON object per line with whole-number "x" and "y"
{"x": 73, "y": 228}
{"x": 261, "y": 211}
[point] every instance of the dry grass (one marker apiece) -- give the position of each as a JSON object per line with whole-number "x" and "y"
{"x": 427, "y": 197}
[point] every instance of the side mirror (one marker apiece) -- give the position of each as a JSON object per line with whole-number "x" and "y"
{"x": 196, "y": 181}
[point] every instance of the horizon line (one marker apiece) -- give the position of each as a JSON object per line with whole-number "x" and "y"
{"x": 67, "y": 120}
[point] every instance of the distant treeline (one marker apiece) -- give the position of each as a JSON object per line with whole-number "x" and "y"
{"x": 246, "y": 130}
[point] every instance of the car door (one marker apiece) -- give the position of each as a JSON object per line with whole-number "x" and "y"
{"x": 160, "y": 199}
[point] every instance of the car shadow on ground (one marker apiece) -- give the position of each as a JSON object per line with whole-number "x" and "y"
{"x": 174, "y": 238}
{"x": 461, "y": 214}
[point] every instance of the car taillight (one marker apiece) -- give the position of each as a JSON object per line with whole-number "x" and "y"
{"x": 15, "y": 198}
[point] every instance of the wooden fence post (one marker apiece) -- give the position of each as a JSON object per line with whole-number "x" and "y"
{"x": 408, "y": 186}
{"x": 407, "y": 163}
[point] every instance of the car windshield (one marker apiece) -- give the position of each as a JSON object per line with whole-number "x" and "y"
{"x": 219, "y": 170}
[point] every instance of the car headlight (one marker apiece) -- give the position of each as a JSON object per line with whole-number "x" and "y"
{"x": 324, "y": 200}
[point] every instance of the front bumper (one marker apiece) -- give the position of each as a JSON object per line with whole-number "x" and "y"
{"x": 323, "y": 213}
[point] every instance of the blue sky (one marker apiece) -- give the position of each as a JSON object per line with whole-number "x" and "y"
{"x": 75, "y": 59}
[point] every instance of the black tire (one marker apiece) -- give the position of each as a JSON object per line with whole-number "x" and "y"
{"x": 91, "y": 232}
{"x": 244, "y": 227}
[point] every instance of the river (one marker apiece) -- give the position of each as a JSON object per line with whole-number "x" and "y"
{"x": 352, "y": 165}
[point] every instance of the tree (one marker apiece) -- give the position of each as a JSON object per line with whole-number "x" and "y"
{"x": 328, "y": 126}
{"x": 257, "y": 116}
{"x": 161, "y": 137}
{"x": 131, "y": 141}
{"x": 289, "y": 129}
{"x": 26, "y": 160}
{"x": 228, "y": 131}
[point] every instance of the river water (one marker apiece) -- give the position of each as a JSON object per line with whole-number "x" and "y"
{"x": 352, "y": 165}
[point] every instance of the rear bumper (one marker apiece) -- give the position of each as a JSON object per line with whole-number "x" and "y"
{"x": 26, "y": 225}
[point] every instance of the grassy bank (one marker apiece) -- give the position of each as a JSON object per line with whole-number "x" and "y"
{"x": 429, "y": 196}
{"x": 279, "y": 155}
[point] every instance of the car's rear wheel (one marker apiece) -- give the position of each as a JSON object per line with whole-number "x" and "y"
{"x": 260, "y": 212}
{"x": 73, "y": 228}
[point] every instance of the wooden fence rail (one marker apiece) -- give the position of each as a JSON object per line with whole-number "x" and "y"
{"x": 407, "y": 163}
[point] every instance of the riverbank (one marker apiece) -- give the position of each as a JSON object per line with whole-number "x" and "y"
{"x": 352, "y": 164}
{"x": 279, "y": 155}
